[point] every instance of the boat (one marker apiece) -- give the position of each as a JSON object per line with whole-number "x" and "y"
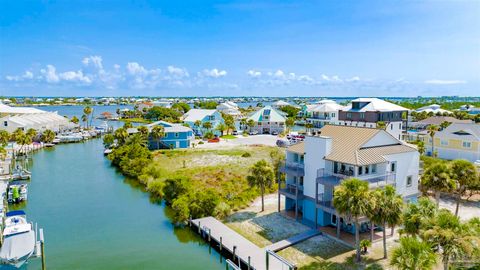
{"x": 70, "y": 137}
{"x": 103, "y": 128}
{"x": 17, "y": 193}
{"x": 19, "y": 239}
{"x": 49, "y": 144}
{"x": 107, "y": 151}
{"x": 20, "y": 173}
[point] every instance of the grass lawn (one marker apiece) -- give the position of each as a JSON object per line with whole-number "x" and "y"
{"x": 135, "y": 120}
{"x": 228, "y": 136}
{"x": 223, "y": 170}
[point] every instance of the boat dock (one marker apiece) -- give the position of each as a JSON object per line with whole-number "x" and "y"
{"x": 245, "y": 254}
{"x": 293, "y": 240}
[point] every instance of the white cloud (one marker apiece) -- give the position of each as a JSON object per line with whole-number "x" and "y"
{"x": 94, "y": 61}
{"x": 135, "y": 69}
{"x": 214, "y": 73}
{"x": 28, "y": 75}
{"x": 254, "y": 73}
{"x": 177, "y": 72}
{"x": 50, "y": 74}
{"x": 74, "y": 76}
{"x": 353, "y": 79}
{"x": 435, "y": 81}
{"x": 279, "y": 74}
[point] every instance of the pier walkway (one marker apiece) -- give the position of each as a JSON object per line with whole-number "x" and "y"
{"x": 238, "y": 245}
{"x": 293, "y": 240}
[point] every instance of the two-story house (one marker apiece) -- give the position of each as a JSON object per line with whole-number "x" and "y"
{"x": 313, "y": 169}
{"x": 322, "y": 113}
{"x": 175, "y": 136}
{"x": 268, "y": 121}
{"x": 369, "y": 112}
{"x": 457, "y": 141}
{"x": 196, "y": 118}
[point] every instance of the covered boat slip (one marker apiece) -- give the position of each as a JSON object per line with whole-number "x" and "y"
{"x": 17, "y": 247}
{"x": 242, "y": 249}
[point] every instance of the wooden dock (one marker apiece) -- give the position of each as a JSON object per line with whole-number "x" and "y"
{"x": 250, "y": 255}
{"x": 293, "y": 240}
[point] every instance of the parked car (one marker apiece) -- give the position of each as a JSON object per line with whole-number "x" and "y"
{"x": 234, "y": 132}
{"x": 275, "y": 133}
{"x": 253, "y": 132}
{"x": 214, "y": 140}
{"x": 282, "y": 143}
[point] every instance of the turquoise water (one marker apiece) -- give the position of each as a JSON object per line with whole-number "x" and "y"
{"x": 96, "y": 219}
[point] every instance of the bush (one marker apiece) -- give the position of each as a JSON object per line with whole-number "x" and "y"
{"x": 200, "y": 142}
{"x": 222, "y": 210}
{"x": 209, "y": 135}
{"x": 246, "y": 154}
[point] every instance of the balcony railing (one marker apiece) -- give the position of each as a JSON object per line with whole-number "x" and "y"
{"x": 376, "y": 180}
{"x": 324, "y": 201}
{"x": 293, "y": 168}
{"x": 291, "y": 189}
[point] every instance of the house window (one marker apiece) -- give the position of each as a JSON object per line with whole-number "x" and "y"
{"x": 367, "y": 169}
{"x": 177, "y": 134}
{"x": 360, "y": 170}
{"x": 391, "y": 126}
{"x": 5, "y": 123}
{"x": 409, "y": 181}
{"x": 374, "y": 168}
{"x": 301, "y": 180}
{"x": 349, "y": 115}
{"x": 467, "y": 144}
{"x": 362, "y": 115}
{"x": 393, "y": 166}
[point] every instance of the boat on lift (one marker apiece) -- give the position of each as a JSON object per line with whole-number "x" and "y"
{"x": 17, "y": 193}
{"x": 20, "y": 173}
{"x": 19, "y": 239}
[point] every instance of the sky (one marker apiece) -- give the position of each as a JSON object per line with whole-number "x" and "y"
{"x": 239, "y": 48}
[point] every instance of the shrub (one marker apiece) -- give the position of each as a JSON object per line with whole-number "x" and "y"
{"x": 200, "y": 142}
{"x": 209, "y": 135}
{"x": 246, "y": 154}
{"x": 222, "y": 210}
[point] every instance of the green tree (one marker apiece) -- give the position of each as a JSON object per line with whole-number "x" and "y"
{"x": 108, "y": 140}
{"x": 421, "y": 147}
{"x": 444, "y": 124}
{"x": 432, "y": 129}
{"x": 221, "y": 127}
{"x": 465, "y": 176}
{"x": 262, "y": 177}
{"x": 413, "y": 254}
{"x": 84, "y": 119}
{"x": 87, "y": 111}
{"x": 243, "y": 123}
{"x": 181, "y": 107}
{"x": 48, "y": 136}
{"x": 381, "y": 125}
{"x": 290, "y": 122}
{"x": 127, "y": 125}
{"x": 446, "y": 233}
{"x": 75, "y": 120}
{"x": 143, "y": 130}
{"x": 120, "y": 135}
{"x": 416, "y": 214}
{"x": 352, "y": 200}
{"x": 308, "y": 126}
{"x": 290, "y": 110}
{"x": 250, "y": 123}
{"x": 387, "y": 210}
{"x": 207, "y": 125}
{"x": 437, "y": 178}
{"x": 4, "y": 137}
{"x": 158, "y": 132}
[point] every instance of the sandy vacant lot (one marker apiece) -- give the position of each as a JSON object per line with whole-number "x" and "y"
{"x": 268, "y": 140}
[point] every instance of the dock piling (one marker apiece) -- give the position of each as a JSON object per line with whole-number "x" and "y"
{"x": 42, "y": 245}
{"x": 221, "y": 244}
{"x": 234, "y": 251}
{"x": 248, "y": 265}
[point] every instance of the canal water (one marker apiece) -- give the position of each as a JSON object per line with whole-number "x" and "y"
{"x": 94, "y": 218}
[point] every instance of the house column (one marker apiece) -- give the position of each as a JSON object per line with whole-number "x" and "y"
{"x": 279, "y": 185}
{"x": 316, "y": 207}
{"x": 338, "y": 226}
{"x": 296, "y": 198}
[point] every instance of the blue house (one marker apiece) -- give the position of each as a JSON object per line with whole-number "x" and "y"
{"x": 203, "y": 115}
{"x": 176, "y": 136}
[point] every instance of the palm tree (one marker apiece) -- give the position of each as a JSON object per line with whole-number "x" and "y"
{"x": 48, "y": 136}
{"x": 465, "y": 175}
{"x": 87, "y": 111}
{"x": 261, "y": 176}
{"x": 84, "y": 119}
{"x": 243, "y": 123}
{"x": 207, "y": 125}
{"x": 120, "y": 135}
{"x": 250, "y": 124}
{"x": 308, "y": 126}
{"x": 31, "y": 133}
{"x": 75, "y": 120}
{"x": 421, "y": 147}
{"x": 432, "y": 129}
{"x": 4, "y": 137}
{"x": 157, "y": 133}
{"x": 387, "y": 210}
{"x": 143, "y": 130}
{"x": 446, "y": 233}
{"x": 229, "y": 123}
{"x": 413, "y": 254}
{"x": 381, "y": 125}
{"x": 416, "y": 214}
{"x": 437, "y": 178}
{"x": 290, "y": 122}
{"x": 445, "y": 124}
{"x": 352, "y": 199}
{"x": 198, "y": 124}
{"x": 221, "y": 127}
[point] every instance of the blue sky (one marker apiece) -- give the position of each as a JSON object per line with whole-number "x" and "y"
{"x": 236, "y": 48}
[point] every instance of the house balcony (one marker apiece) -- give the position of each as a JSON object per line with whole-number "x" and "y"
{"x": 324, "y": 202}
{"x": 374, "y": 180}
{"x": 293, "y": 168}
{"x": 291, "y": 191}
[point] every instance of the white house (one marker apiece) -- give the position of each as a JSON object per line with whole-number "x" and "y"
{"x": 203, "y": 115}
{"x": 368, "y": 112}
{"x": 268, "y": 121}
{"x": 432, "y": 108}
{"x": 280, "y": 103}
{"x": 314, "y": 167}
{"x": 230, "y": 108}
{"x": 322, "y": 113}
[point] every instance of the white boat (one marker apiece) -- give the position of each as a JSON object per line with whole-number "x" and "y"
{"x": 21, "y": 174}
{"x": 19, "y": 239}
{"x": 107, "y": 151}
{"x": 103, "y": 128}
{"x": 70, "y": 137}
{"x": 17, "y": 193}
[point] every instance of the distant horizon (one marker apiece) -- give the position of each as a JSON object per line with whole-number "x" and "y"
{"x": 226, "y": 97}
